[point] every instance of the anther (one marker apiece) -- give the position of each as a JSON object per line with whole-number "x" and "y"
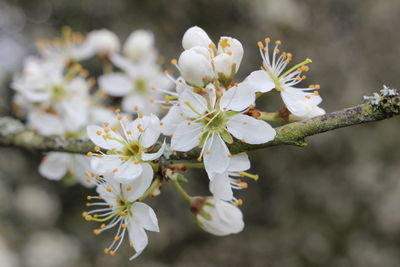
{"x": 278, "y": 42}
{"x": 117, "y": 110}
{"x": 173, "y": 61}
{"x": 106, "y": 250}
{"x": 89, "y": 154}
{"x": 109, "y": 189}
{"x": 136, "y": 161}
{"x": 115, "y": 170}
{"x": 128, "y": 188}
{"x": 119, "y": 117}
{"x": 96, "y": 148}
{"x": 96, "y": 231}
{"x": 106, "y": 124}
{"x": 140, "y": 115}
{"x": 122, "y": 213}
{"x": 123, "y": 226}
{"x": 98, "y": 132}
{"x": 260, "y": 45}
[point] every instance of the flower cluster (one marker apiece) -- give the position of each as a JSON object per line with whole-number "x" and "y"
{"x": 204, "y": 111}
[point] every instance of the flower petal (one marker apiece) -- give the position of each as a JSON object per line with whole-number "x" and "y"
{"x": 115, "y": 84}
{"x": 54, "y": 166}
{"x": 238, "y": 97}
{"x": 186, "y": 136}
{"x": 193, "y": 105}
{"x": 250, "y": 130}
{"x": 216, "y": 156}
{"x": 220, "y": 187}
{"x": 136, "y": 188}
{"x": 156, "y": 155}
{"x": 128, "y": 171}
{"x": 260, "y": 81}
{"x": 239, "y": 162}
{"x": 298, "y": 102}
{"x": 105, "y": 164}
{"x": 171, "y": 120}
{"x": 152, "y": 130}
{"x": 145, "y": 216}
{"x": 138, "y": 237}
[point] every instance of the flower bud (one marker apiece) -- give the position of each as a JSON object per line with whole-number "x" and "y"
{"x": 195, "y": 36}
{"x": 217, "y": 217}
{"x": 103, "y": 41}
{"x": 195, "y": 67}
{"x": 233, "y": 48}
{"x": 139, "y": 44}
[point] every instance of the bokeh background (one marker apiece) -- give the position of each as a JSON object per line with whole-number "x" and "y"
{"x": 332, "y": 203}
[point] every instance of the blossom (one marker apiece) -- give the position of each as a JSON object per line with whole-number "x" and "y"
{"x": 313, "y": 111}
{"x": 272, "y": 75}
{"x": 210, "y": 120}
{"x": 128, "y": 147}
{"x": 217, "y": 217}
{"x": 222, "y": 184}
{"x": 55, "y": 165}
{"x": 140, "y": 46}
{"x": 135, "y": 84}
{"x": 122, "y": 209}
{"x": 203, "y": 61}
{"x": 102, "y": 42}
{"x": 69, "y": 48}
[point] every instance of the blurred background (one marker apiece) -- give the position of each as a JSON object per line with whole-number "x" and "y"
{"x": 332, "y": 203}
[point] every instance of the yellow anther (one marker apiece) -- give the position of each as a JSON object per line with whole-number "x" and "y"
{"x": 86, "y": 173}
{"x": 173, "y": 61}
{"x": 106, "y": 124}
{"x": 317, "y": 86}
{"x": 308, "y": 97}
{"x": 103, "y": 226}
{"x": 122, "y": 213}
{"x": 106, "y": 130}
{"x": 229, "y": 53}
{"x": 128, "y": 188}
{"x": 96, "y": 231}
{"x": 117, "y": 110}
{"x": 278, "y": 42}
{"x": 100, "y": 155}
{"x": 277, "y": 50}
{"x": 210, "y": 45}
{"x": 88, "y": 180}
{"x": 109, "y": 189}
{"x": 84, "y": 214}
{"x": 87, "y": 204}
{"x": 89, "y": 154}
{"x": 119, "y": 117}
{"x": 140, "y": 115}
{"x": 115, "y": 170}
{"x": 128, "y": 132}
{"x": 116, "y": 238}
{"x": 92, "y": 174}
{"x": 123, "y": 226}
{"x": 131, "y": 244}
{"x": 267, "y": 40}
{"x": 239, "y": 202}
{"x": 153, "y": 87}
{"x": 289, "y": 55}
{"x": 98, "y": 132}
{"x": 106, "y": 250}
{"x": 316, "y": 93}
{"x": 260, "y": 45}
{"x": 298, "y": 78}
{"x": 112, "y": 252}
{"x": 199, "y": 159}
{"x": 161, "y": 123}
{"x": 136, "y": 161}
{"x": 96, "y": 148}
{"x": 135, "y": 108}
{"x": 303, "y": 77}
{"x": 114, "y": 128}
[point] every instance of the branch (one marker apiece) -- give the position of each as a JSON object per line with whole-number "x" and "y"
{"x": 379, "y": 107}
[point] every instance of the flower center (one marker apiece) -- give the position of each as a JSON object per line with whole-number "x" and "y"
{"x": 58, "y": 92}
{"x": 140, "y": 86}
{"x": 133, "y": 150}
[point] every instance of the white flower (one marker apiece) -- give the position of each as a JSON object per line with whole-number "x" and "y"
{"x": 195, "y": 36}
{"x": 55, "y": 165}
{"x": 102, "y": 42}
{"x": 128, "y": 149}
{"x": 140, "y": 46}
{"x": 123, "y": 211}
{"x": 210, "y": 121}
{"x": 297, "y": 100}
{"x": 222, "y": 184}
{"x": 70, "y": 47}
{"x": 219, "y": 217}
{"x": 136, "y": 84}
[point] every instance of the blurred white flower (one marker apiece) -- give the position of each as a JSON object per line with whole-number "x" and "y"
{"x": 37, "y": 205}
{"x": 218, "y": 217}
{"x": 127, "y": 156}
{"x": 8, "y": 258}
{"x": 102, "y": 42}
{"x": 123, "y": 211}
{"x": 49, "y": 249}
{"x": 55, "y": 165}
{"x": 140, "y": 46}
{"x": 297, "y": 100}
